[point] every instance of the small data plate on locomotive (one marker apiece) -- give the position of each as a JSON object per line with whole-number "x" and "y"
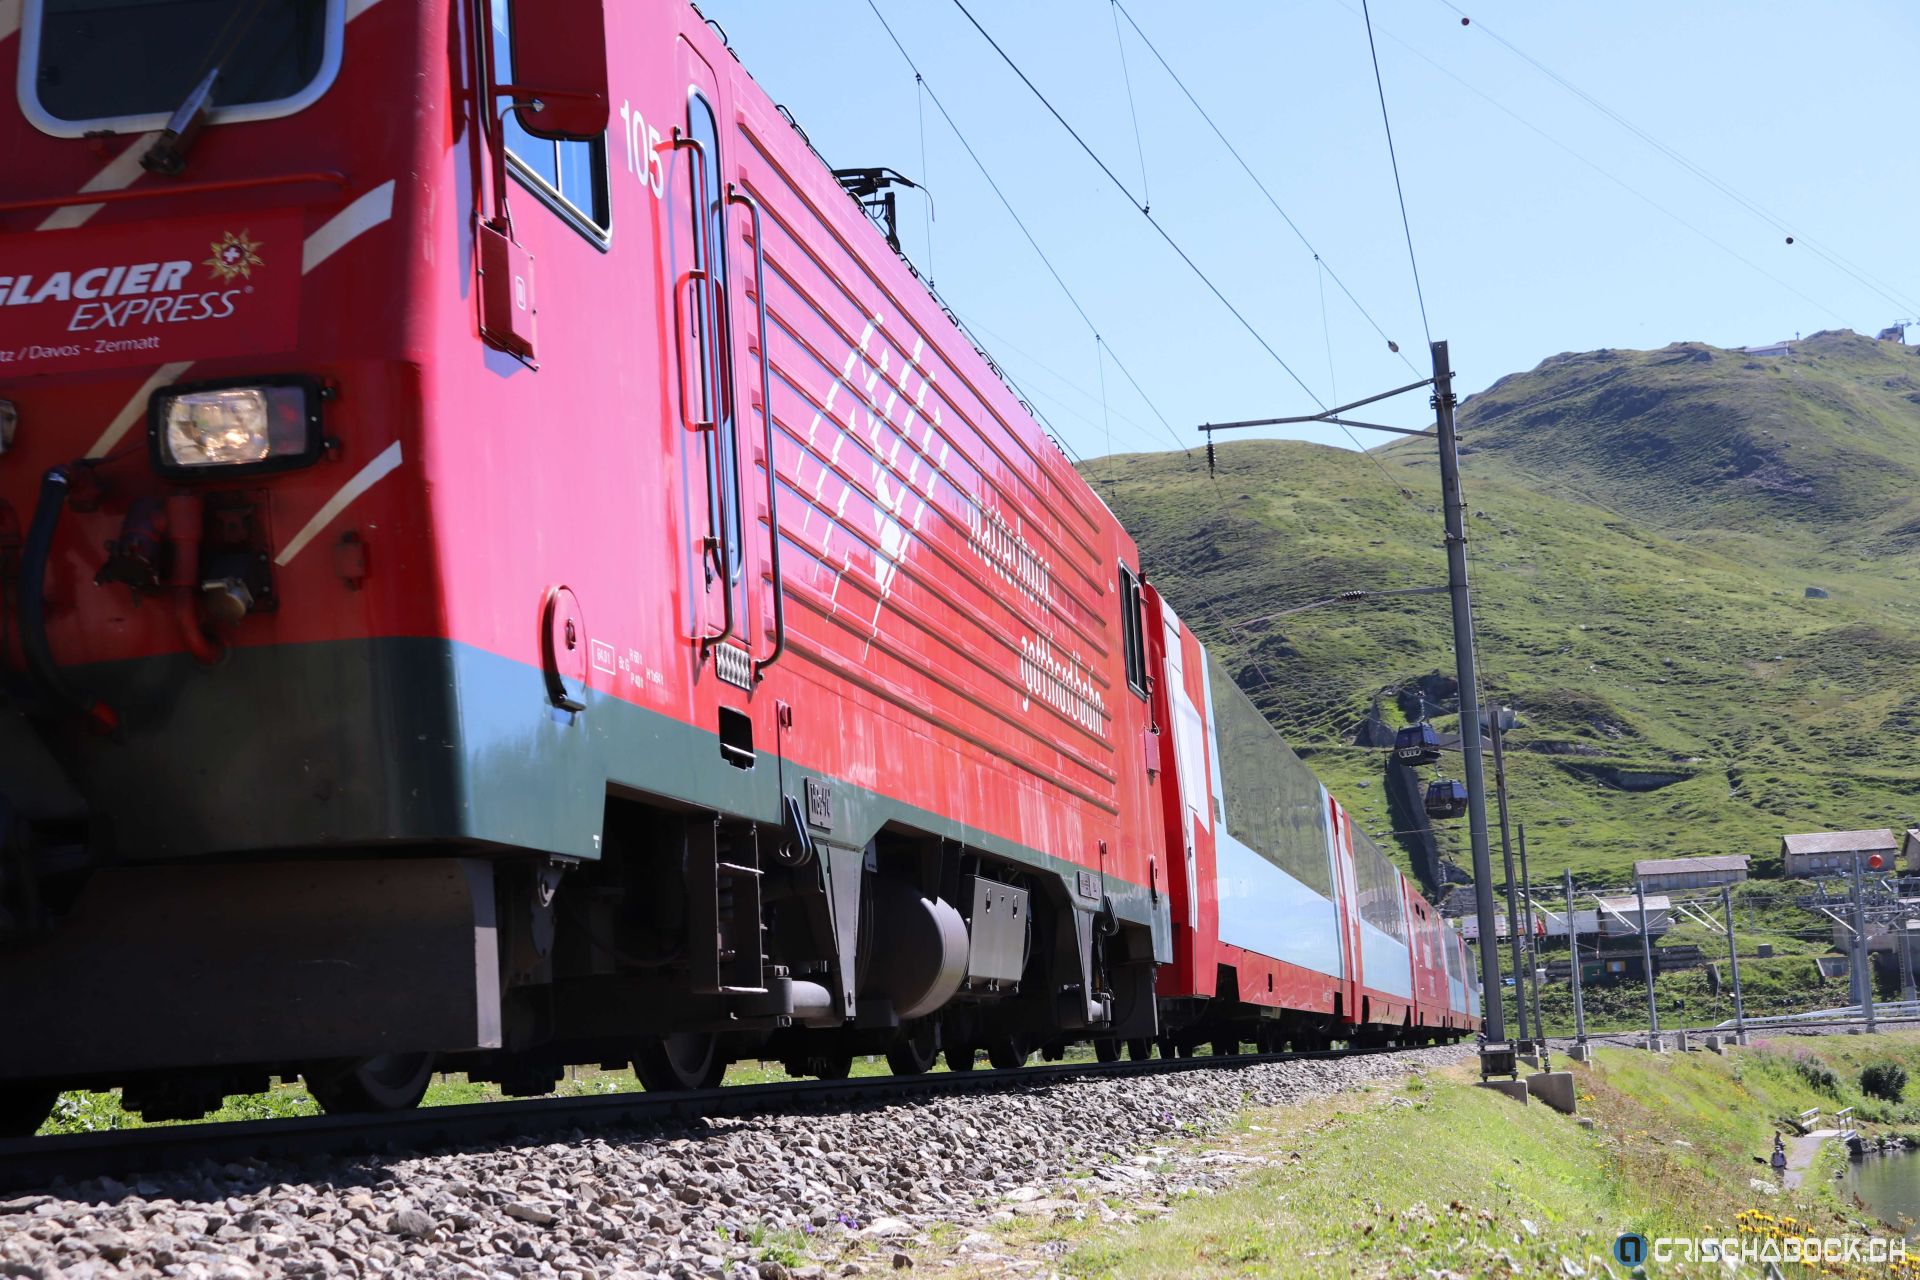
{"x": 819, "y": 804}
{"x": 1089, "y": 885}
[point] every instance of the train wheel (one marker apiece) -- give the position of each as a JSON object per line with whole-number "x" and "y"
{"x": 390, "y": 1082}
{"x": 960, "y": 1057}
{"x": 687, "y": 1060}
{"x": 916, "y": 1054}
{"x": 24, "y": 1108}
{"x": 1168, "y": 1048}
{"x": 1105, "y": 1050}
{"x": 1008, "y": 1052}
{"x": 1140, "y": 1050}
{"x": 1225, "y": 1048}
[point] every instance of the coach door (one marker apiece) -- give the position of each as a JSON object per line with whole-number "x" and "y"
{"x": 715, "y": 369}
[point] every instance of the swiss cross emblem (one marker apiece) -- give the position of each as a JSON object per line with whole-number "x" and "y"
{"x": 235, "y": 256}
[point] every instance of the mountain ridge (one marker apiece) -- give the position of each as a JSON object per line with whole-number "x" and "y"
{"x": 1645, "y": 528}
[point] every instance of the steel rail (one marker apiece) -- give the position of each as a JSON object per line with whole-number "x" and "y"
{"x": 33, "y": 1164}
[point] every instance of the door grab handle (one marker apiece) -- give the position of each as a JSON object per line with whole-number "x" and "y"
{"x": 714, "y": 384}
{"x": 738, "y": 195}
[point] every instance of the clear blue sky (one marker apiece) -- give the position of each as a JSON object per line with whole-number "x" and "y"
{"x": 1810, "y": 111}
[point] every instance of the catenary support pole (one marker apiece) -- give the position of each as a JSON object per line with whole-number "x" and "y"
{"x": 1573, "y": 954}
{"x": 1533, "y": 948}
{"x": 1646, "y": 958}
{"x": 1906, "y": 946}
{"x": 1862, "y": 968}
{"x": 1733, "y": 962}
{"x": 1496, "y": 1055}
{"x": 1514, "y": 941}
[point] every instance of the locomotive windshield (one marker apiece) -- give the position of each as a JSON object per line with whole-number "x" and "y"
{"x": 129, "y": 61}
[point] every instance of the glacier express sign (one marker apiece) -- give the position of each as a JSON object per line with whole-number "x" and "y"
{"x": 149, "y": 293}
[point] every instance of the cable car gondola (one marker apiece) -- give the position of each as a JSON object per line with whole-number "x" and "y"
{"x": 1417, "y": 744}
{"x": 1446, "y": 799}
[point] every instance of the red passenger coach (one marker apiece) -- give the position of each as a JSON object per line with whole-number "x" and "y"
{"x": 505, "y": 567}
{"x": 1290, "y": 928}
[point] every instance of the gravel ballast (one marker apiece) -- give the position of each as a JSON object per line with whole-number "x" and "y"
{"x": 707, "y": 1199}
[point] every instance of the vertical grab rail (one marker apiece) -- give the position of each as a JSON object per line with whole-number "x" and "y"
{"x": 712, "y": 384}
{"x": 736, "y": 195}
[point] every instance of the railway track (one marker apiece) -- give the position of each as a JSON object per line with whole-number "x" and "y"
{"x": 35, "y": 1164}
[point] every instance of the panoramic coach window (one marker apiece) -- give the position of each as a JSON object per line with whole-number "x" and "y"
{"x": 128, "y": 66}
{"x": 1132, "y": 631}
{"x": 572, "y": 176}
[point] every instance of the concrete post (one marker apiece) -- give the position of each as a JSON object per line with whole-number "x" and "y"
{"x": 1646, "y": 959}
{"x": 1573, "y": 954}
{"x": 1862, "y": 971}
{"x": 1733, "y": 962}
{"x": 1533, "y": 951}
{"x": 1506, "y": 854}
{"x": 1493, "y": 1006}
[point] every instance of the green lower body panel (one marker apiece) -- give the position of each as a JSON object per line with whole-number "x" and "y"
{"x": 362, "y": 745}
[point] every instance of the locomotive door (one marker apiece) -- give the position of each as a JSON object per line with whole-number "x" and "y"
{"x": 716, "y": 368}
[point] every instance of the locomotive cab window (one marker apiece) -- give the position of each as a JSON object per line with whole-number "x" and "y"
{"x": 89, "y": 65}
{"x": 570, "y": 176}
{"x": 1133, "y": 631}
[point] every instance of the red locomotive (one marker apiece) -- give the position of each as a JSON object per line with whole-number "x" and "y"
{"x": 505, "y": 567}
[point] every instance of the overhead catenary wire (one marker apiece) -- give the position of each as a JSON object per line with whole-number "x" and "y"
{"x": 1326, "y": 331}
{"x": 1858, "y": 273}
{"x": 1020, "y": 222}
{"x": 1127, "y": 191}
{"x": 1262, "y": 187}
{"x": 1618, "y": 181}
{"x": 1164, "y": 235}
{"x": 1126, "y": 78}
{"x": 1100, "y": 362}
{"x": 1002, "y": 345}
{"x": 926, "y": 206}
{"x": 1399, "y": 190}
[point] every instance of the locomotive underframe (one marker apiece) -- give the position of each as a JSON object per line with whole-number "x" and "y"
{"x": 480, "y": 930}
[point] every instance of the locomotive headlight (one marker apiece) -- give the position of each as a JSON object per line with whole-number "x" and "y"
{"x": 217, "y": 428}
{"x": 260, "y": 425}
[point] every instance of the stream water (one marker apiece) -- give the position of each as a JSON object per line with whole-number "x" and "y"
{"x": 1890, "y": 1186}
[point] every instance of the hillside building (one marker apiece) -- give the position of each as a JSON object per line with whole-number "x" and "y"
{"x": 1910, "y": 851}
{"x": 1620, "y": 915}
{"x": 1816, "y": 853}
{"x": 1670, "y": 875}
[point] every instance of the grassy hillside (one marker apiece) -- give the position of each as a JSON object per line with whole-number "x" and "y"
{"x": 1644, "y": 527}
